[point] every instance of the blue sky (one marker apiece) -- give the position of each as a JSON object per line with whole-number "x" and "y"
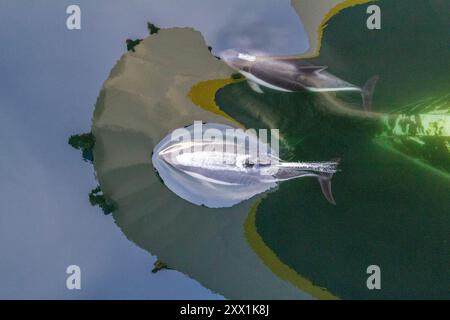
{"x": 50, "y": 79}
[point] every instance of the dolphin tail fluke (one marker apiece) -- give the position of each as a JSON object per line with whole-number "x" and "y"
{"x": 323, "y": 171}
{"x": 325, "y": 181}
{"x": 367, "y": 93}
{"x": 325, "y": 185}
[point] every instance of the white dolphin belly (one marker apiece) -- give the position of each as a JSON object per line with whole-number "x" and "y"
{"x": 263, "y": 83}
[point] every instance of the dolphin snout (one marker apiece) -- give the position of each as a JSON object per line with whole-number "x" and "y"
{"x": 237, "y": 60}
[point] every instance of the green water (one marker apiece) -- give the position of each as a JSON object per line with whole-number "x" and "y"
{"x": 393, "y": 208}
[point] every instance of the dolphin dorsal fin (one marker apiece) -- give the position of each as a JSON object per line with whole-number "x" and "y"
{"x": 312, "y": 69}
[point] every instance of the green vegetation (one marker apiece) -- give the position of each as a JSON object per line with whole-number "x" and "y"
{"x": 131, "y": 44}
{"x": 84, "y": 142}
{"x": 96, "y": 198}
{"x": 152, "y": 28}
{"x": 420, "y": 131}
{"x": 210, "y": 50}
{"x": 432, "y": 150}
{"x": 159, "y": 265}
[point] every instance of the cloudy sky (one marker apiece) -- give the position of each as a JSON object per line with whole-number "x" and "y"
{"x": 50, "y": 78}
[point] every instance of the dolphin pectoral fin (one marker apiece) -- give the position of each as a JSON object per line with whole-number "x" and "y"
{"x": 367, "y": 93}
{"x": 325, "y": 185}
{"x": 254, "y": 86}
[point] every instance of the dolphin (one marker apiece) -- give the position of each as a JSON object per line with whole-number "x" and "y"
{"x": 292, "y": 75}
{"x": 223, "y": 173}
